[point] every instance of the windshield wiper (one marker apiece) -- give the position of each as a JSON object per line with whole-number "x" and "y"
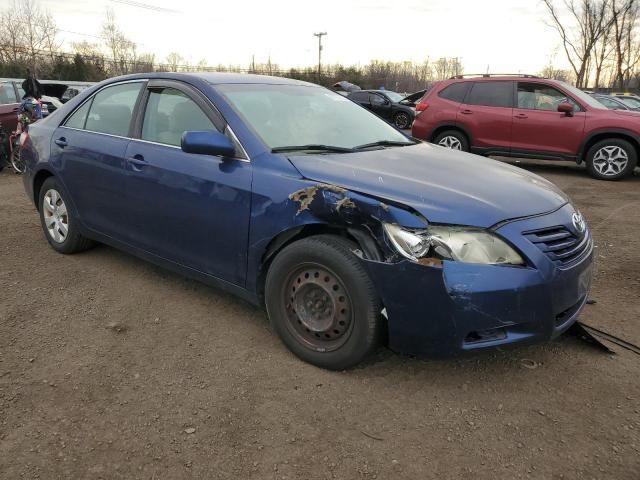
{"x": 384, "y": 143}
{"x": 323, "y": 148}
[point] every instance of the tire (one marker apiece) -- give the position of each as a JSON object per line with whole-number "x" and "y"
{"x": 344, "y": 325}
{"x": 16, "y": 159}
{"x": 452, "y": 139}
{"x": 402, "y": 120}
{"x": 611, "y": 159}
{"x": 55, "y": 217}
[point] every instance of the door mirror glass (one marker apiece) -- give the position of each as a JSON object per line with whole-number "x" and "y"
{"x": 565, "y": 107}
{"x": 207, "y": 143}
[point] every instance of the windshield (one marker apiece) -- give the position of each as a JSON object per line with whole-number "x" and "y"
{"x": 629, "y": 101}
{"x": 288, "y": 115}
{"x": 585, "y": 97}
{"x": 395, "y": 97}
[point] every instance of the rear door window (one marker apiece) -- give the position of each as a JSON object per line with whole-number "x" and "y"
{"x": 7, "y": 93}
{"x": 112, "y": 109}
{"x": 491, "y": 94}
{"x": 456, "y": 92}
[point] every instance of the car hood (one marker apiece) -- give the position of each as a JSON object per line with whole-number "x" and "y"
{"x": 445, "y": 186}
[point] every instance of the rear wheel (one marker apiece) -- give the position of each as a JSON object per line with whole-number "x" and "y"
{"x": 322, "y": 303}
{"x": 16, "y": 157}
{"x": 452, "y": 139}
{"x": 58, "y": 224}
{"x": 402, "y": 120}
{"x": 611, "y": 159}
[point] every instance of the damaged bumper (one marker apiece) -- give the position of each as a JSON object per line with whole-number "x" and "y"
{"x": 442, "y": 311}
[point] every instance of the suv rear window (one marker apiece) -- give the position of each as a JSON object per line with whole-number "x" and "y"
{"x": 455, "y": 92}
{"x": 491, "y": 94}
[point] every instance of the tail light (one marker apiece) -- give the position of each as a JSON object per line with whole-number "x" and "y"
{"x": 421, "y": 106}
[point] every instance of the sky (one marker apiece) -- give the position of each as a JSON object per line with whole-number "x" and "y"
{"x": 499, "y": 36}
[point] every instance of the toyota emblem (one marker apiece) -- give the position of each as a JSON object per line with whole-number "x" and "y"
{"x": 578, "y": 222}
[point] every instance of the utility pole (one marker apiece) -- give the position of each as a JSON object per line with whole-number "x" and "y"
{"x": 319, "y": 35}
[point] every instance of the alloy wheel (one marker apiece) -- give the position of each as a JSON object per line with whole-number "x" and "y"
{"x": 319, "y": 309}
{"x": 402, "y": 121}
{"x": 56, "y": 217}
{"x": 610, "y": 161}
{"x": 450, "y": 142}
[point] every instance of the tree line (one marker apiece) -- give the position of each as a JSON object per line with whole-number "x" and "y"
{"x": 29, "y": 38}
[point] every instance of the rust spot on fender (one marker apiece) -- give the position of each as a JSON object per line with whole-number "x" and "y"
{"x": 306, "y": 195}
{"x": 345, "y": 202}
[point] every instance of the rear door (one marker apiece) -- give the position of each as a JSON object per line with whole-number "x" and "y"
{"x": 190, "y": 209}
{"x": 89, "y": 148}
{"x": 487, "y": 114}
{"x": 9, "y": 104}
{"x": 539, "y": 128}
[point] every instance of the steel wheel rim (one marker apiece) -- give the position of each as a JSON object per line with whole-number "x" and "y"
{"x": 450, "y": 142}
{"x": 402, "y": 120}
{"x": 610, "y": 161}
{"x": 56, "y": 217}
{"x": 319, "y": 311}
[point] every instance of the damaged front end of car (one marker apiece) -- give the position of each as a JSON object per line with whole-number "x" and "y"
{"x": 445, "y": 288}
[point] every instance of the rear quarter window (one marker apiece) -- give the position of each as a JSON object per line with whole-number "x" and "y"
{"x": 456, "y": 92}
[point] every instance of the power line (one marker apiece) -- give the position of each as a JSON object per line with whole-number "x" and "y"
{"x": 146, "y": 6}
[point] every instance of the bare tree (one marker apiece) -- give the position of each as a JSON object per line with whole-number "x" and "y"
{"x": 625, "y": 44}
{"x": 590, "y": 19}
{"x": 174, "y": 60}
{"x": 122, "y": 50}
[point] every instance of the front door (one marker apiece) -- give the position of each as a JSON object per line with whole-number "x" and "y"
{"x": 89, "y": 150}
{"x": 380, "y": 105}
{"x": 190, "y": 209}
{"x": 538, "y": 126}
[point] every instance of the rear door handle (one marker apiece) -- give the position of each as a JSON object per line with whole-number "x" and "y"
{"x": 466, "y": 112}
{"x": 137, "y": 161}
{"x": 15, "y": 110}
{"x": 61, "y": 142}
{"x": 522, "y": 116}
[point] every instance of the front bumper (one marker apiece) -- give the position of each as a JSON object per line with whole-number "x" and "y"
{"x": 440, "y": 312}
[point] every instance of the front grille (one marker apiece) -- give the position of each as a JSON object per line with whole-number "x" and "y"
{"x": 561, "y": 245}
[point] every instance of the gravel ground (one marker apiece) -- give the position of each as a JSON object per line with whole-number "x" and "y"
{"x": 113, "y": 368}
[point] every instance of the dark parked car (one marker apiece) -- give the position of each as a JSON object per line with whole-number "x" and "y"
{"x": 530, "y": 117}
{"x": 612, "y": 103}
{"x": 386, "y": 104}
{"x": 291, "y": 196}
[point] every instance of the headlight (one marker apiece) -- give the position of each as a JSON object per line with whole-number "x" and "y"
{"x": 452, "y": 243}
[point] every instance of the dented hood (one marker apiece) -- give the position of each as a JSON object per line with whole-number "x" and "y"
{"x": 445, "y": 186}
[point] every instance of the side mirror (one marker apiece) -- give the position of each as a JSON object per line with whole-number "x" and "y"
{"x": 566, "y": 108}
{"x": 207, "y": 143}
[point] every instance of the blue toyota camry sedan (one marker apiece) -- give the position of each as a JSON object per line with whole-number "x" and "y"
{"x": 348, "y": 232}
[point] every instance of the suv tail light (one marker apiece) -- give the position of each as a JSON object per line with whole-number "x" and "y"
{"x": 421, "y": 107}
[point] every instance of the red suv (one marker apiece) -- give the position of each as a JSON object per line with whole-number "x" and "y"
{"x": 529, "y": 117}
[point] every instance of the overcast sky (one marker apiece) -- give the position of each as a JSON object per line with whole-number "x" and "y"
{"x": 502, "y": 35}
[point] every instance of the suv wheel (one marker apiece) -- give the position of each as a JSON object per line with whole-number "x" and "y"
{"x": 402, "y": 120}
{"x": 322, "y": 303}
{"x": 453, "y": 139}
{"x": 611, "y": 159}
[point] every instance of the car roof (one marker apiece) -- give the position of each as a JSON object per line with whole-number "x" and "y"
{"x": 214, "y": 78}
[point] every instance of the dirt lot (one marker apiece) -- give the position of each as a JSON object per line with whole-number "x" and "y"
{"x": 113, "y": 368}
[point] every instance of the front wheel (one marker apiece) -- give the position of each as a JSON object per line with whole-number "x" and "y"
{"x": 452, "y": 139}
{"x": 322, "y": 303}
{"x": 611, "y": 159}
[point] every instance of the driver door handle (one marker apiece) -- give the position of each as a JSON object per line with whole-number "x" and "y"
{"x": 466, "y": 112}
{"x": 137, "y": 161}
{"x": 521, "y": 116}
{"x": 61, "y": 142}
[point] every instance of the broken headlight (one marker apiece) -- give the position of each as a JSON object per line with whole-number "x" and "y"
{"x": 459, "y": 244}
